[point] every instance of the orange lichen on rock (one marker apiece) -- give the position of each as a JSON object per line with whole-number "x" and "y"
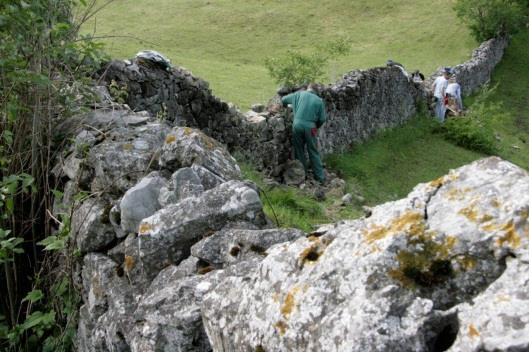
{"x": 128, "y": 264}
{"x": 170, "y": 139}
{"x": 510, "y": 236}
{"x": 145, "y": 228}
{"x": 495, "y": 202}
{"x": 281, "y": 326}
{"x": 457, "y": 193}
{"x": 127, "y": 146}
{"x": 290, "y": 302}
{"x": 187, "y": 131}
{"x": 438, "y": 182}
{"x": 312, "y": 253}
{"x": 411, "y": 222}
{"x": 472, "y": 331}
{"x": 470, "y": 212}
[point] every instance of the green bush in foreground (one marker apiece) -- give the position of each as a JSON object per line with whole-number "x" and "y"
{"x": 489, "y": 18}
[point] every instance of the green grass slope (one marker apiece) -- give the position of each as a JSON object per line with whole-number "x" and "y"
{"x": 511, "y": 96}
{"x": 226, "y": 41}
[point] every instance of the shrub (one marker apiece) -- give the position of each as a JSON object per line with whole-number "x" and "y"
{"x": 296, "y": 68}
{"x": 490, "y": 18}
{"x": 468, "y": 132}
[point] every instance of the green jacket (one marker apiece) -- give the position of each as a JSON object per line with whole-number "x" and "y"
{"x": 309, "y": 109}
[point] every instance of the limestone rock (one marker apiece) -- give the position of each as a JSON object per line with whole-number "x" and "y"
{"x": 91, "y": 227}
{"x": 184, "y": 147}
{"x": 294, "y": 174}
{"x": 186, "y": 183}
{"x": 166, "y": 237}
{"x": 208, "y": 179}
{"x": 140, "y": 202}
{"x": 496, "y": 320}
{"x": 394, "y": 281}
{"x": 233, "y": 245}
{"x": 107, "y": 315}
{"x": 125, "y": 157}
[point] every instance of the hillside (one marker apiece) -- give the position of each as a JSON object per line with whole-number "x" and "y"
{"x": 226, "y": 41}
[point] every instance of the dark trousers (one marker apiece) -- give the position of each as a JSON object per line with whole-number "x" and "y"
{"x": 301, "y": 137}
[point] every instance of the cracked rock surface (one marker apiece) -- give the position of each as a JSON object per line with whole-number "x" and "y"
{"x": 433, "y": 271}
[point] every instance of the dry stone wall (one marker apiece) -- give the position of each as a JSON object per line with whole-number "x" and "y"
{"x": 476, "y": 72}
{"x": 362, "y": 103}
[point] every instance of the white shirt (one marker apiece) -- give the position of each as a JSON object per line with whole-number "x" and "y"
{"x": 454, "y": 89}
{"x": 439, "y": 87}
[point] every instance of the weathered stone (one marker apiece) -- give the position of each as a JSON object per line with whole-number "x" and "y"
{"x": 109, "y": 306}
{"x": 125, "y": 157}
{"x": 98, "y": 272}
{"x": 140, "y": 202}
{"x": 347, "y": 199}
{"x": 166, "y": 237}
{"x": 294, "y": 174}
{"x": 75, "y": 169}
{"x": 258, "y": 108}
{"x": 63, "y": 205}
{"x": 185, "y": 146}
{"x": 167, "y": 196}
{"x": 91, "y": 227}
{"x": 208, "y": 179}
{"x": 169, "y": 317}
{"x": 394, "y": 281}
{"x": 234, "y": 245}
{"x": 186, "y": 183}
{"x": 496, "y": 320}
{"x": 82, "y": 143}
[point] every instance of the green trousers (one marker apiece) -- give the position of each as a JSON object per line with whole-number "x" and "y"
{"x": 301, "y": 137}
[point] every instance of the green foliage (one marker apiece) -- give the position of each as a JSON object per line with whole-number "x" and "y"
{"x": 118, "y": 93}
{"x": 490, "y": 18}
{"x": 296, "y": 68}
{"x": 469, "y": 132}
{"x": 44, "y": 70}
{"x": 473, "y": 131}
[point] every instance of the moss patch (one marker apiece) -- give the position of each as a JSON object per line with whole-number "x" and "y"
{"x": 426, "y": 266}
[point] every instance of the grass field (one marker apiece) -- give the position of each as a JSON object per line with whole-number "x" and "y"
{"x": 226, "y": 41}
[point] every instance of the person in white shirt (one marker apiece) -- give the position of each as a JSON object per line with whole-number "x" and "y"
{"x": 439, "y": 88}
{"x": 453, "y": 90}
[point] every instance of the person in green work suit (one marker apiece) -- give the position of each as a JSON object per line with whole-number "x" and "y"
{"x": 309, "y": 115}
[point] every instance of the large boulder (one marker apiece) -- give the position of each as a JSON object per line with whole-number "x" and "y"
{"x": 400, "y": 280}
{"x": 166, "y": 237}
{"x": 185, "y": 146}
